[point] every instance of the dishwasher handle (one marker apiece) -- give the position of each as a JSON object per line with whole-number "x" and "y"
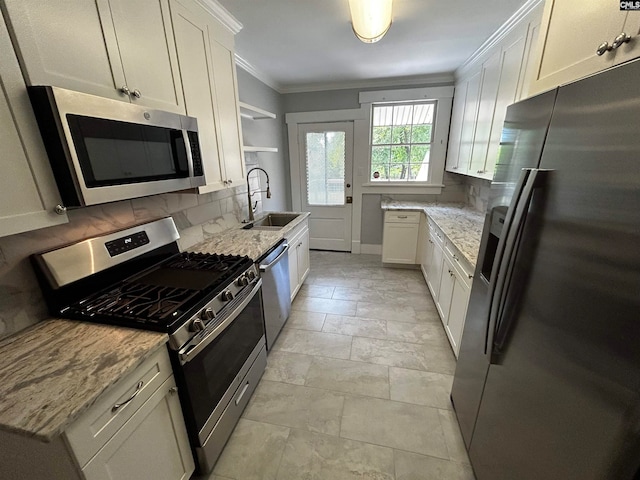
{"x": 269, "y": 266}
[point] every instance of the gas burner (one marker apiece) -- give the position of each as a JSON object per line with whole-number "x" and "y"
{"x": 202, "y": 261}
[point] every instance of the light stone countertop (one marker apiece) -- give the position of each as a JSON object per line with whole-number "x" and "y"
{"x": 53, "y": 372}
{"x": 253, "y": 243}
{"x": 460, "y": 223}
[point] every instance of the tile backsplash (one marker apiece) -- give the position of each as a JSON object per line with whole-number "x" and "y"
{"x": 477, "y": 193}
{"x": 197, "y": 218}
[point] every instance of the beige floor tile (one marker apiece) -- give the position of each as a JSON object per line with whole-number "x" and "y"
{"x": 401, "y": 286}
{"x": 313, "y": 343}
{"x": 453, "y": 437}
{"x": 318, "y": 291}
{"x": 370, "y": 272}
{"x": 387, "y": 311}
{"x": 305, "y": 320}
{"x": 324, "y": 305}
{"x": 287, "y": 367}
{"x": 357, "y": 294}
{"x": 253, "y": 451}
{"x": 321, "y": 457}
{"x": 350, "y": 377}
{"x": 332, "y": 281}
{"x": 296, "y": 406}
{"x": 393, "y": 424}
{"x": 411, "y": 466}
{"x": 356, "y": 326}
{"x": 420, "y": 388}
{"x": 404, "y": 355}
{"x": 425, "y": 332}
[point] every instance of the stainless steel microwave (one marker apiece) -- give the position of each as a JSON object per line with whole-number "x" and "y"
{"x": 103, "y": 150}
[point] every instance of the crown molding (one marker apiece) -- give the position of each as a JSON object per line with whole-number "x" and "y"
{"x": 499, "y": 34}
{"x": 221, "y": 14}
{"x": 251, "y": 70}
{"x": 444, "y": 78}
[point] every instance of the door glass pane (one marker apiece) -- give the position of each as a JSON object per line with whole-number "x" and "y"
{"x": 325, "y": 159}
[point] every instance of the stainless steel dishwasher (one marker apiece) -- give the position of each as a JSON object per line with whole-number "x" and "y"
{"x": 276, "y": 293}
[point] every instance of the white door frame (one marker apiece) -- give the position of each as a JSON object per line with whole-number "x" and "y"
{"x": 360, "y": 119}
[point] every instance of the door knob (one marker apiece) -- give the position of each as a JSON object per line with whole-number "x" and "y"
{"x": 603, "y": 48}
{"x": 125, "y": 90}
{"x": 136, "y": 93}
{"x": 348, "y": 185}
{"x": 620, "y": 40}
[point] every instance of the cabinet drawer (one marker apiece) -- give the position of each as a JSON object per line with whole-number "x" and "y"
{"x": 97, "y": 425}
{"x": 460, "y": 264}
{"x": 401, "y": 217}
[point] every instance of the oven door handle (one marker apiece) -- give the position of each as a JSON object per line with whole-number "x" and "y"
{"x": 190, "y": 351}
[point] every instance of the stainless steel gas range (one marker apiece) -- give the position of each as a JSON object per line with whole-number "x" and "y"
{"x": 210, "y": 305}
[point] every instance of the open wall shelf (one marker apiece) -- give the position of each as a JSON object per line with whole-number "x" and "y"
{"x": 254, "y": 113}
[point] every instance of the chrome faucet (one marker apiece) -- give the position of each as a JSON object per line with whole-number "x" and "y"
{"x": 251, "y": 194}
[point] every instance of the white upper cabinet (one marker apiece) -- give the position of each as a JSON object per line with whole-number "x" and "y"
{"x": 207, "y": 67}
{"x": 28, "y": 194}
{"x": 491, "y": 70}
{"x": 580, "y": 38}
{"x": 196, "y": 66}
{"x": 494, "y": 78}
{"x": 105, "y": 48}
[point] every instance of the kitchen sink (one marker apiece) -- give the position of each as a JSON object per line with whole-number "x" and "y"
{"x": 273, "y": 221}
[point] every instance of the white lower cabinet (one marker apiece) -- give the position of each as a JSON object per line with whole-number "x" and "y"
{"x": 448, "y": 277}
{"x": 400, "y": 237}
{"x": 134, "y": 431}
{"x": 299, "y": 263}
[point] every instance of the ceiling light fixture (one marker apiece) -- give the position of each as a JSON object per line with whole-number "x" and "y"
{"x": 370, "y": 19}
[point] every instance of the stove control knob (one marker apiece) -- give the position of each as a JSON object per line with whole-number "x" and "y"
{"x": 207, "y": 314}
{"x": 251, "y": 274}
{"x": 226, "y": 296}
{"x": 197, "y": 325}
{"x": 243, "y": 281}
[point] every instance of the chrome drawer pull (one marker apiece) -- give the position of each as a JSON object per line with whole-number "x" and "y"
{"x": 135, "y": 394}
{"x": 244, "y": 390}
{"x": 402, "y": 216}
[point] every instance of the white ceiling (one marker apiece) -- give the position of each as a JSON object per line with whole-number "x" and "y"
{"x": 297, "y": 45}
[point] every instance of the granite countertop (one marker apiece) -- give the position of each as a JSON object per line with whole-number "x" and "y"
{"x": 54, "y": 371}
{"x": 253, "y": 242}
{"x": 460, "y": 223}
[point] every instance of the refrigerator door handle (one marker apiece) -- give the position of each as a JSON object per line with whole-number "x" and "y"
{"x": 498, "y": 326}
{"x": 508, "y": 220}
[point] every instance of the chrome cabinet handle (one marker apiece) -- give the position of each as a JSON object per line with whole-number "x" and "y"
{"x": 603, "y": 48}
{"x": 134, "y": 395}
{"x": 136, "y": 93}
{"x": 620, "y": 40}
{"x": 230, "y": 181}
{"x": 60, "y": 209}
{"x": 125, "y": 90}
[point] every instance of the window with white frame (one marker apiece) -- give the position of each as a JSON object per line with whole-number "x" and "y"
{"x": 401, "y": 141}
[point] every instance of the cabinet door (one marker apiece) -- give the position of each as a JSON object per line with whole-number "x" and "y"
{"x": 469, "y": 122}
{"x": 629, "y": 51}
{"x": 447, "y": 281}
{"x": 571, "y": 33}
{"x": 399, "y": 243}
{"x": 455, "y": 134}
{"x": 491, "y": 70}
{"x": 457, "y": 313}
{"x": 229, "y": 130}
{"x": 427, "y": 255}
{"x": 510, "y": 68}
{"x": 27, "y": 189}
{"x": 294, "y": 278}
{"x": 68, "y": 44}
{"x": 435, "y": 268}
{"x": 147, "y": 49}
{"x": 152, "y": 444}
{"x": 302, "y": 253}
{"x": 529, "y": 55}
{"x": 193, "y": 44}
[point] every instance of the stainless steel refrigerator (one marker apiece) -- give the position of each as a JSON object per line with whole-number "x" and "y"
{"x": 547, "y": 384}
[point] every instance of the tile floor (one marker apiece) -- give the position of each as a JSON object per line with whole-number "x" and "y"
{"x": 357, "y": 385}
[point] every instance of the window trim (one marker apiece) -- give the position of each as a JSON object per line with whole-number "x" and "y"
{"x": 443, "y": 96}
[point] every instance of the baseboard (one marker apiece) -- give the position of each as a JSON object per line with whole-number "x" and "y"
{"x": 370, "y": 249}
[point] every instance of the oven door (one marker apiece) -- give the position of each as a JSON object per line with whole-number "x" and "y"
{"x": 212, "y": 369}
